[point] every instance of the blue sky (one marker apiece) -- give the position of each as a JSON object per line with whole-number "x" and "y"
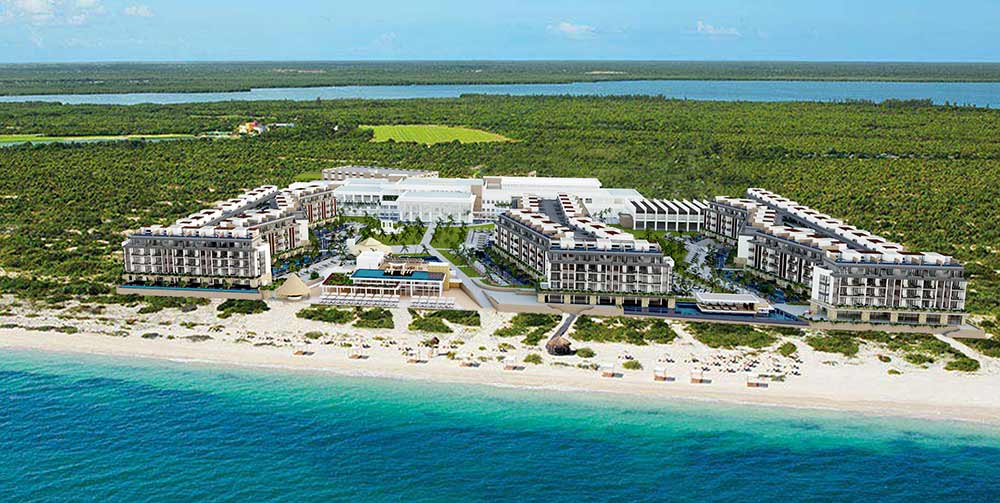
{"x": 841, "y": 30}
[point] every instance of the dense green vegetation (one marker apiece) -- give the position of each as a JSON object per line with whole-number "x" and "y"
{"x": 925, "y": 176}
{"x": 405, "y": 234}
{"x": 962, "y": 364}
{"x": 787, "y": 349}
{"x": 431, "y": 324}
{"x": 847, "y": 346}
{"x": 917, "y": 349}
{"x": 728, "y": 336}
{"x": 639, "y": 331}
{"x": 241, "y": 76}
{"x": 430, "y": 134}
{"x": 37, "y": 138}
{"x": 375, "y": 317}
{"x": 987, "y": 347}
{"x": 457, "y": 316}
{"x": 451, "y": 237}
{"x": 328, "y": 314}
{"x": 632, "y": 365}
{"x": 239, "y": 306}
{"x": 531, "y": 326}
{"x": 157, "y": 304}
{"x": 533, "y": 358}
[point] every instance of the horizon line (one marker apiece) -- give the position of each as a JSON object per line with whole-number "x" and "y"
{"x": 513, "y": 60}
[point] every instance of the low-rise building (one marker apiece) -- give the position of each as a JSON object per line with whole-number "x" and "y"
{"x": 676, "y": 215}
{"x": 392, "y": 194}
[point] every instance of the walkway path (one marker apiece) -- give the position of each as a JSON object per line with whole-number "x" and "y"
{"x": 471, "y": 288}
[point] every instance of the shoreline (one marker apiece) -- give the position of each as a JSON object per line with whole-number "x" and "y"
{"x": 440, "y": 370}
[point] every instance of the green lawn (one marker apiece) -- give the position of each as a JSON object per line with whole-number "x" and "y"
{"x": 431, "y": 134}
{"x": 454, "y": 236}
{"x": 19, "y": 138}
{"x": 460, "y": 263}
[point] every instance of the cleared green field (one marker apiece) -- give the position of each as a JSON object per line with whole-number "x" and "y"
{"x": 431, "y": 134}
{"x": 25, "y": 138}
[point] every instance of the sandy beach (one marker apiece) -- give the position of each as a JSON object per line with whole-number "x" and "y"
{"x": 270, "y": 340}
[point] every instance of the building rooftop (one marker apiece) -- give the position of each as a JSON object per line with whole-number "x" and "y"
{"x": 410, "y": 275}
{"x": 837, "y": 239}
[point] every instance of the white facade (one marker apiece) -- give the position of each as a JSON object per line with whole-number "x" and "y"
{"x": 398, "y": 197}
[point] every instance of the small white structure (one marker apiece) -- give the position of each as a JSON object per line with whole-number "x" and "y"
{"x": 732, "y": 303}
{"x": 370, "y": 259}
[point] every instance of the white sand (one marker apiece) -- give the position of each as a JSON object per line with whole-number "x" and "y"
{"x": 861, "y": 384}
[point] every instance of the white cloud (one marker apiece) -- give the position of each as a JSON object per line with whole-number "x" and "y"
{"x": 48, "y": 12}
{"x": 138, "y": 11}
{"x": 708, "y": 30}
{"x": 574, "y": 31}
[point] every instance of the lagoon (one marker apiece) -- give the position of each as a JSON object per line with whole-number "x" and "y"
{"x": 985, "y": 94}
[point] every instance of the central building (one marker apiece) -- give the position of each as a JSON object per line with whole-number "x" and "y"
{"x": 578, "y": 260}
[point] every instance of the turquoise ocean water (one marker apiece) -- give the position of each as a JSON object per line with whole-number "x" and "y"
{"x": 91, "y": 428}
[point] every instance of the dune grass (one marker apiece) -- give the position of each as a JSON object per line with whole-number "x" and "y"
{"x": 429, "y": 134}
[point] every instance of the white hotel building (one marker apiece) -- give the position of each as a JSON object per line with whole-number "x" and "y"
{"x": 850, "y": 274}
{"x": 391, "y": 195}
{"x": 230, "y": 245}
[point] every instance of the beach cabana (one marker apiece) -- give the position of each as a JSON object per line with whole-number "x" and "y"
{"x": 608, "y": 370}
{"x": 510, "y": 363}
{"x": 660, "y": 374}
{"x": 292, "y": 289}
{"x": 756, "y": 381}
{"x": 698, "y": 377}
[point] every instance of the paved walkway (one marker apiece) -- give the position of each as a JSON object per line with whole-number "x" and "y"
{"x": 474, "y": 291}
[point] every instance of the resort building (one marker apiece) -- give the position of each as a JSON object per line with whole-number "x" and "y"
{"x": 384, "y": 280}
{"x": 665, "y": 215}
{"x": 850, "y": 274}
{"x": 341, "y": 173}
{"x": 390, "y": 194}
{"x": 230, "y": 245}
{"x": 578, "y": 260}
{"x": 732, "y": 303}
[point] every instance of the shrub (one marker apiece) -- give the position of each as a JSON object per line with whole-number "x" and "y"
{"x": 240, "y": 306}
{"x": 585, "y": 353}
{"x": 844, "y": 345}
{"x": 375, "y": 317}
{"x": 787, "y": 331}
{"x": 327, "y": 314}
{"x": 787, "y": 349}
{"x": 533, "y": 327}
{"x": 721, "y": 335}
{"x": 963, "y": 364}
{"x": 313, "y": 335}
{"x": 639, "y": 331}
{"x": 434, "y": 325}
{"x": 884, "y": 359}
{"x": 918, "y": 358}
{"x": 461, "y": 317}
{"x": 632, "y": 365}
{"x": 894, "y": 372}
{"x": 988, "y": 347}
{"x": 533, "y": 358}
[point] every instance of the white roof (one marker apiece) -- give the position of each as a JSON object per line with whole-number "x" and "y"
{"x": 727, "y": 298}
